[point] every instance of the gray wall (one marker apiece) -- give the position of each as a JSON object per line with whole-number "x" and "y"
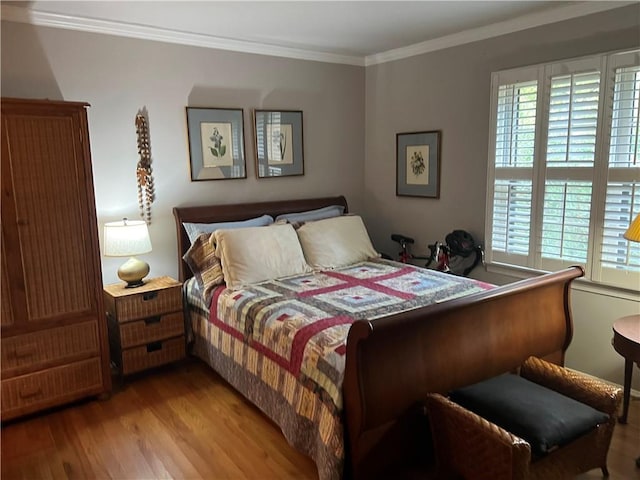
{"x": 351, "y": 116}
{"x": 449, "y": 90}
{"x": 118, "y": 76}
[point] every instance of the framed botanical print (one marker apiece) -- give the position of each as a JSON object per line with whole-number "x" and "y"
{"x": 418, "y": 164}
{"x": 279, "y": 143}
{"x": 216, "y": 143}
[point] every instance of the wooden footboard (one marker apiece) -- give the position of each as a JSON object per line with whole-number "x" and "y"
{"x": 393, "y": 362}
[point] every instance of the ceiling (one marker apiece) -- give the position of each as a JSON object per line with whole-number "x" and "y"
{"x": 354, "y": 32}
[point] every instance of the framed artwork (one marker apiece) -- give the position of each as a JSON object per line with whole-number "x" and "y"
{"x": 279, "y": 143}
{"x": 216, "y": 143}
{"x": 418, "y": 164}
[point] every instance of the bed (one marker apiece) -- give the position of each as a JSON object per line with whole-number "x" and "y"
{"x": 357, "y": 412}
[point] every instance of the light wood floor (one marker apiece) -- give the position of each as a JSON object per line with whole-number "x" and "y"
{"x": 185, "y": 422}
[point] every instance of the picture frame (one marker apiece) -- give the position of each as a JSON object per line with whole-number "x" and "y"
{"x": 279, "y": 143}
{"x": 418, "y": 164}
{"x": 216, "y": 143}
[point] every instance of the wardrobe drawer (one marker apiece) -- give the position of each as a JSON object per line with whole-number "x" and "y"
{"x": 34, "y": 391}
{"x": 151, "y": 329}
{"x": 33, "y": 351}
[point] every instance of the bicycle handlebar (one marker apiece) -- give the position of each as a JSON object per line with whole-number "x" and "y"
{"x": 396, "y": 237}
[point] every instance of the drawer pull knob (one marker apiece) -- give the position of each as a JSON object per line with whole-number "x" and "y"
{"x": 154, "y": 347}
{"x": 149, "y": 296}
{"x": 30, "y": 391}
{"x": 152, "y": 320}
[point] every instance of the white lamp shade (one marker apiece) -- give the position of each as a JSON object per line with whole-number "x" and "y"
{"x": 126, "y": 238}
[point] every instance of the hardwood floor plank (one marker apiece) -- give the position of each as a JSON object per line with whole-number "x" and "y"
{"x": 129, "y": 451}
{"x": 182, "y": 441}
{"x": 103, "y": 451}
{"x": 185, "y": 422}
{"x": 78, "y": 461}
{"x": 159, "y": 447}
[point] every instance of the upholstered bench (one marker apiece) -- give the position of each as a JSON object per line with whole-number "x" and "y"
{"x": 546, "y": 423}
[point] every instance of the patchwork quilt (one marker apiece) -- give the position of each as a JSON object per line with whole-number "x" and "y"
{"x": 282, "y": 343}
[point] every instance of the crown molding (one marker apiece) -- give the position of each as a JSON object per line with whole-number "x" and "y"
{"x": 46, "y": 19}
{"x": 18, "y": 14}
{"x": 502, "y": 28}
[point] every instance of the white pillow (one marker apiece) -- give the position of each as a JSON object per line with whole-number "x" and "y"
{"x": 335, "y": 242}
{"x": 255, "y": 254}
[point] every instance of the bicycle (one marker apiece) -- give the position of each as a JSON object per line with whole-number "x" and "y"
{"x": 438, "y": 257}
{"x": 442, "y": 256}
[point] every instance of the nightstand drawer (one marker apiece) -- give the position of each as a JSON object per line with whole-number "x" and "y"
{"x": 151, "y": 329}
{"x": 152, "y": 355}
{"x": 148, "y": 304}
{"x": 33, "y": 351}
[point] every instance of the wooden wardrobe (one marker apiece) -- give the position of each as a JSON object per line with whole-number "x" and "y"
{"x": 53, "y": 325}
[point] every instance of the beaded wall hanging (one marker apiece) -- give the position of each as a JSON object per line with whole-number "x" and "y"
{"x": 146, "y": 193}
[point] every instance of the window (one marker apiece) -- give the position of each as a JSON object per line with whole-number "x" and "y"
{"x": 564, "y": 167}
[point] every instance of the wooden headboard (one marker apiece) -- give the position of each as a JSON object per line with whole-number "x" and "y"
{"x": 239, "y": 211}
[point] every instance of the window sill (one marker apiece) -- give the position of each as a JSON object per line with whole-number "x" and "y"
{"x": 580, "y": 284}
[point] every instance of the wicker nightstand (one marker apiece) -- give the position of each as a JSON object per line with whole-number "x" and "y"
{"x": 146, "y": 324}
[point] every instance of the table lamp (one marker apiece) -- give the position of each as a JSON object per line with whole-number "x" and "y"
{"x": 633, "y": 232}
{"x": 126, "y": 239}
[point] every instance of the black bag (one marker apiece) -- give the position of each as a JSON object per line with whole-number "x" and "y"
{"x": 461, "y": 244}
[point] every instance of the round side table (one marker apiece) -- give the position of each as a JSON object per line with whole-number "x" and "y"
{"x": 626, "y": 341}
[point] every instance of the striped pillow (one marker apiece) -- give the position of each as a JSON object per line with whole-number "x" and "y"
{"x": 204, "y": 264}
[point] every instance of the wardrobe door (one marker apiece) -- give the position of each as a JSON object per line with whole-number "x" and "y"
{"x": 49, "y": 216}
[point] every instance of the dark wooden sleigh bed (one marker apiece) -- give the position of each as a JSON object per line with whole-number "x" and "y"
{"x": 393, "y": 362}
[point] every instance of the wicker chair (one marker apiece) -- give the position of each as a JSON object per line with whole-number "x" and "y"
{"x": 470, "y": 447}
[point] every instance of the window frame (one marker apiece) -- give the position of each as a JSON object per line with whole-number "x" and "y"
{"x": 534, "y": 263}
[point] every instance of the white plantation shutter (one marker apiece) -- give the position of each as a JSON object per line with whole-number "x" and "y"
{"x": 622, "y": 205}
{"x": 511, "y": 217}
{"x": 516, "y": 117}
{"x": 571, "y": 149}
{"x": 515, "y": 138}
{"x": 565, "y": 225}
{"x": 573, "y": 119}
{"x": 564, "y": 167}
{"x": 619, "y": 261}
{"x": 623, "y": 150}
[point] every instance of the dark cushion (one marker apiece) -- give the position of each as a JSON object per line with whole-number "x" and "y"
{"x": 544, "y": 418}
